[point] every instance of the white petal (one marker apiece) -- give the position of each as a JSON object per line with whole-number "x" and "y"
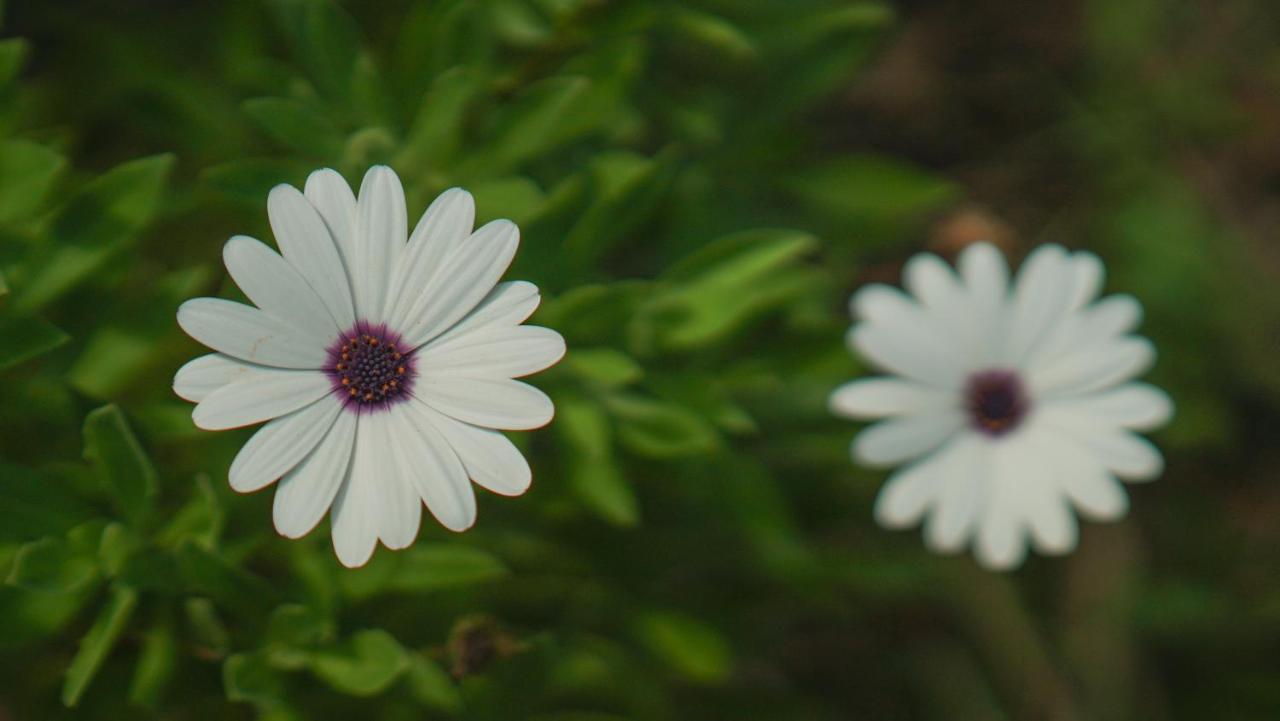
{"x": 497, "y": 352}
{"x": 901, "y": 439}
{"x": 1134, "y": 405}
{"x": 1082, "y": 479}
{"x": 354, "y": 514}
{"x": 901, "y": 352}
{"x": 1045, "y": 512}
{"x": 381, "y": 232}
{"x": 446, "y": 224}
{"x": 305, "y": 241}
{"x": 876, "y": 397}
{"x": 504, "y": 404}
{"x": 467, "y": 276}
{"x": 259, "y": 395}
{"x": 1125, "y": 454}
{"x": 986, "y": 276}
{"x": 203, "y": 375}
{"x": 1045, "y": 286}
{"x": 1092, "y": 368}
{"x": 398, "y": 507}
{"x": 509, "y": 304}
{"x": 1001, "y": 543}
{"x": 432, "y": 468}
{"x": 907, "y": 494}
{"x": 490, "y": 458}
{"x": 306, "y": 493}
{"x": 945, "y": 298}
{"x": 247, "y": 333}
{"x": 330, "y": 195}
{"x": 962, "y": 469}
{"x": 275, "y": 287}
{"x": 281, "y": 444}
{"x": 1089, "y": 274}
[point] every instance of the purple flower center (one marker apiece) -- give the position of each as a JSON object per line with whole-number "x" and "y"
{"x": 996, "y": 401}
{"x": 370, "y": 368}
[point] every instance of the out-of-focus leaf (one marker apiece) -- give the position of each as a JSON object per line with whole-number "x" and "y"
{"x": 605, "y": 367}
{"x": 250, "y": 679}
{"x": 156, "y": 662}
{"x": 13, "y": 52}
{"x": 870, "y": 191}
{"x": 111, "y": 359}
{"x": 232, "y": 587}
{"x": 98, "y": 642}
{"x": 515, "y": 198}
{"x": 206, "y": 626}
{"x": 118, "y": 459}
{"x": 365, "y": 665}
{"x": 34, "y": 504}
{"x": 199, "y": 521}
{"x": 325, "y": 41}
{"x": 515, "y": 22}
{"x": 625, "y": 188}
{"x": 52, "y": 565}
{"x": 713, "y": 32}
{"x": 98, "y": 222}
{"x": 251, "y": 179}
{"x": 22, "y": 339}
{"x": 660, "y": 429}
{"x": 548, "y": 114}
{"x": 437, "y": 128}
{"x": 594, "y": 314}
{"x": 300, "y": 626}
{"x": 296, "y": 125}
{"x": 594, "y": 475}
{"x": 686, "y": 645}
{"x": 430, "y": 685}
{"x": 27, "y": 172}
{"x": 423, "y": 568}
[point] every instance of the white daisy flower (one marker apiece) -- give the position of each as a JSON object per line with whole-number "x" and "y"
{"x": 383, "y": 360}
{"x": 1009, "y": 403}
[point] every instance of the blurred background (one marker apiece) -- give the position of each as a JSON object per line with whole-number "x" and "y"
{"x": 700, "y": 186}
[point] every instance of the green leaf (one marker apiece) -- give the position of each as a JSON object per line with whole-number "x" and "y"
{"x": 660, "y": 429}
{"x": 714, "y": 33}
{"x": 871, "y": 192}
{"x": 625, "y": 189}
{"x": 550, "y": 113}
{"x": 686, "y": 645}
{"x": 297, "y": 125}
{"x": 34, "y": 504}
{"x": 436, "y": 133}
{"x": 516, "y": 199}
{"x": 52, "y": 565}
{"x": 326, "y": 42}
{"x": 248, "y": 678}
{"x": 594, "y": 474}
{"x": 431, "y": 686}
{"x": 12, "y": 54}
{"x": 296, "y": 625}
{"x": 98, "y": 222}
{"x": 98, "y": 642}
{"x": 423, "y": 568}
{"x": 112, "y": 359}
{"x": 518, "y": 24}
{"x": 365, "y": 665}
{"x": 156, "y": 662}
{"x": 199, "y": 521}
{"x": 605, "y": 367}
{"x": 27, "y": 172}
{"x": 22, "y": 339}
{"x": 234, "y": 588}
{"x": 206, "y": 626}
{"x": 119, "y": 460}
{"x": 249, "y": 180}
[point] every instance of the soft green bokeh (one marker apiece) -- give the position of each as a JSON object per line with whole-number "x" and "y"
{"x": 699, "y": 187}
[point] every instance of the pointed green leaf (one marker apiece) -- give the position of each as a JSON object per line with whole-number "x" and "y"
{"x": 296, "y": 125}
{"x": 156, "y": 662}
{"x": 870, "y": 191}
{"x": 27, "y": 172}
{"x": 52, "y": 565}
{"x": 365, "y": 665}
{"x": 550, "y": 113}
{"x": 425, "y": 567}
{"x": 437, "y": 129}
{"x": 686, "y": 645}
{"x": 98, "y": 642}
{"x": 12, "y": 54}
{"x": 431, "y": 686}
{"x": 660, "y": 429}
{"x": 594, "y": 474}
{"x": 325, "y": 41}
{"x": 248, "y": 678}
{"x": 604, "y": 367}
{"x": 251, "y": 179}
{"x": 34, "y": 504}
{"x": 119, "y": 460}
{"x": 22, "y": 339}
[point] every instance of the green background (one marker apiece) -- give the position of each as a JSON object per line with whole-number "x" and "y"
{"x": 700, "y": 186}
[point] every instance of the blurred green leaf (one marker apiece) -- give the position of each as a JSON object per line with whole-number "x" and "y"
{"x": 34, "y": 504}
{"x": 518, "y": 24}
{"x": 516, "y": 199}
{"x": 199, "y": 521}
{"x": 98, "y": 222}
{"x": 22, "y": 339}
{"x": 98, "y": 642}
{"x": 437, "y": 128}
{"x": 625, "y": 188}
{"x": 13, "y": 52}
{"x": 298, "y": 626}
{"x": 594, "y": 474}
{"x": 546, "y": 115}
{"x": 871, "y": 192}
{"x": 430, "y": 685}
{"x": 296, "y": 125}
{"x": 605, "y": 367}
{"x": 234, "y": 588}
{"x": 325, "y": 41}
{"x": 251, "y": 179}
{"x": 686, "y": 646}
{"x": 714, "y": 33}
{"x": 156, "y": 664}
{"x": 111, "y": 359}
{"x": 365, "y": 665}
{"x": 660, "y": 429}
{"x": 52, "y": 565}
{"x": 119, "y": 460}
{"x": 425, "y": 567}
{"x": 27, "y": 173}
{"x": 250, "y": 679}
{"x": 206, "y": 626}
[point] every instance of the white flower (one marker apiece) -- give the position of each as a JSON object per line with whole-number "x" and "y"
{"x": 1010, "y": 405}
{"x": 383, "y": 365}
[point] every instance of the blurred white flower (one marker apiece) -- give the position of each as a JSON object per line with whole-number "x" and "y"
{"x": 1009, "y": 403}
{"x": 383, "y": 360}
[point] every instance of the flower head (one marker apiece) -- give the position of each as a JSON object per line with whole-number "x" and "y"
{"x": 1010, "y": 404}
{"x": 383, "y": 360}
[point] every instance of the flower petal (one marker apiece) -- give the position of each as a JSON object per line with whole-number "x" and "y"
{"x": 497, "y": 352}
{"x": 907, "y": 494}
{"x": 1001, "y": 543}
{"x": 201, "y": 376}
{"x": 986, "y": 277}
{"x": 1082, "y": 479}
{"x": 354, "y": 514}
{"x": 1089, "y": 275}
{"x": 446, "y": 225}
{"x": 306, "y": 493}
{"x": 510, "y": 303}
{"x": 247, "y": 333}
{"x": 490, "y": 458}
{"x": 307, "y": 244}
{"x": 877, "y": 397}
{"x": 281, "y": 444}
{"x": 432, "y": 468}
{"x": 1092, "y": 368}
{"x": 381, "y": 232}
{"x": 901, "y": 439}
{"x": 398, "y": 507}
{"x": 920, "y": 358}
{"x": 489, "y": 403}
{"x": 329, "y": 194}
{"x": 1138, "y": 406}
{"x": 962, "y": 468}
{"x": 259, "y": 395}
{"x": 275, "y": 287}
{"x": 465, "y": 278}
{"x": 1045, "y": 287}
